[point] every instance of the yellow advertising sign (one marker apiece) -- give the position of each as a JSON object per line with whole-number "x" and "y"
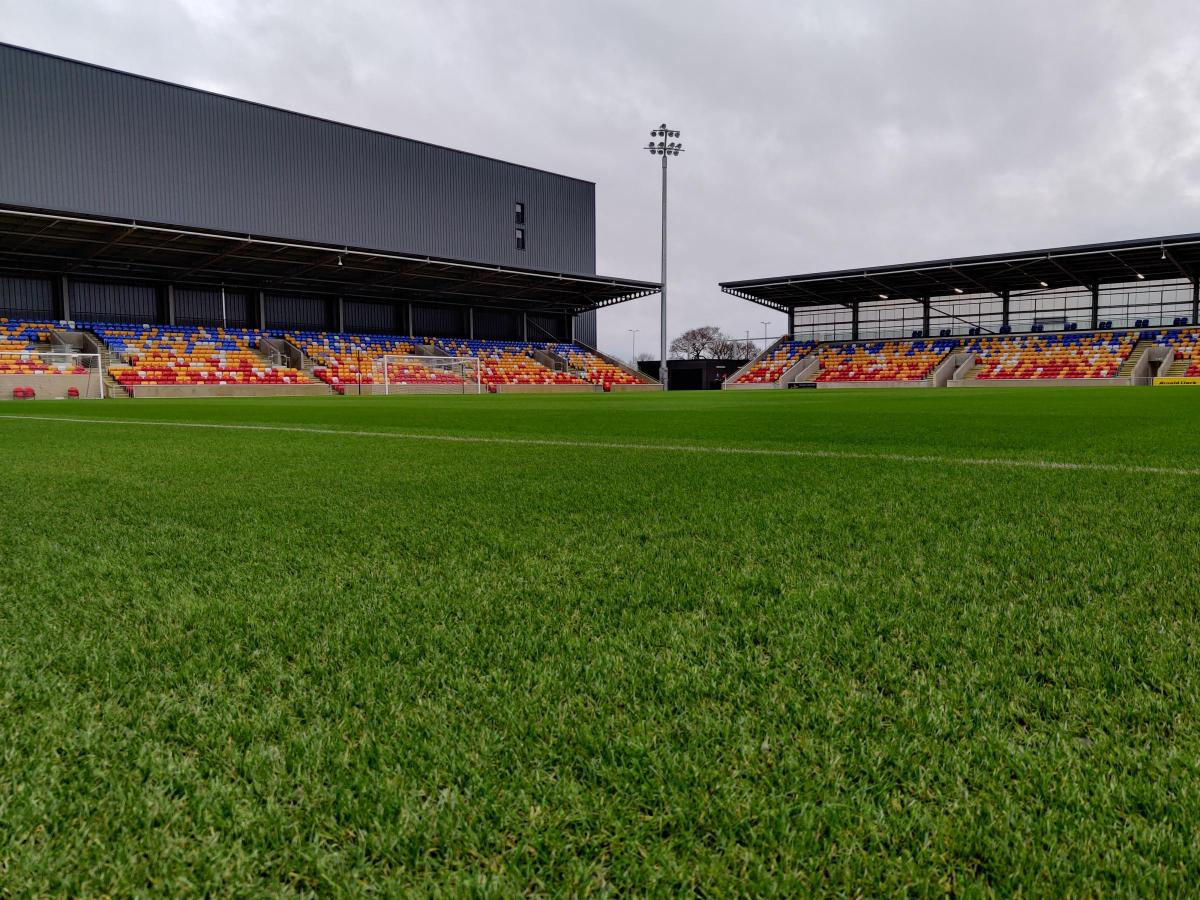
{"x": 1176, "y": 380}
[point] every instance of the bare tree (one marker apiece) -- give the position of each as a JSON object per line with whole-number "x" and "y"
{"x": 709, "y": 342}
{"x": 696, "y": 343}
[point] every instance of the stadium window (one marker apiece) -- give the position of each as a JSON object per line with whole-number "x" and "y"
{"x": 520, "y": 236}
{"x": 519, "y": 213}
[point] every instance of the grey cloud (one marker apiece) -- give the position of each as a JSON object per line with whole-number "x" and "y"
{"x": 820, "y": 134}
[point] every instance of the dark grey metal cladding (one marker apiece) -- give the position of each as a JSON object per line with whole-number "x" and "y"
{"x": 80, "y": 138}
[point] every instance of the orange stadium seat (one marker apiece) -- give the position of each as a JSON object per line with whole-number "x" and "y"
{"x": 1035, "y": 356}
{"x": 22, "y": 344}
{"x": 883, "y": 360}
{"x": 348, "y": 359}
{"x": 509, "y": 362}
{"x": 595, "y": 368}
{"x": 168, "y": 354}
{"x": 770, "y": 368}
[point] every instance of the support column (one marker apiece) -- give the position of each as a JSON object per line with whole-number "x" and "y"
{"x": 854, "y": 321}
{"x": 571, "y": 319}
{"x": 925, "y": 316}
{"x": 64, "y": 298}
{"x": 524, "y": 326}
{"x": 170, "y": 304}
{"x": 1196, "y": 301}
{"x": 341, "y": 314}
{"x": 471, "y": 322}
{"x": 410, "y": 318}
{"x": 1005, "y": 297}
{"x": 1095, "y": 306}
{"x": 260, "y": 301}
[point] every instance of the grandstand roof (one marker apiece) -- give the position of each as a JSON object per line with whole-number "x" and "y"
{"x": 49, "y": 243}
{"x": 1086, "y": 265}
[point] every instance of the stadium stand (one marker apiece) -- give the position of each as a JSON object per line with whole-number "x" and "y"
{"x": 189, "y": 355}
{"x": 883, "y": 360}
{"x": 770, "y": 368}
{"x": 596, "y": 369}
{"x": 1071, "y": 355}
{"x": 509, "y": 362}
{"x": 1186, "y": 343}
{"x": 21, "y": 349}
{"x": 342, "y": 359}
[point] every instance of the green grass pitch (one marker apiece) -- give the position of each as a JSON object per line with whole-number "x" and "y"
{"x": 863, "y": 656}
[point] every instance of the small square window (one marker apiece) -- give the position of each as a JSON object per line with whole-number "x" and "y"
{"x": 519, "y": 213}
{"x": 520, "y": 236}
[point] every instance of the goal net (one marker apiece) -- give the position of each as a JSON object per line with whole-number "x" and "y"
{"x": 51, "y": 375}
{"x": 427, "y": 374}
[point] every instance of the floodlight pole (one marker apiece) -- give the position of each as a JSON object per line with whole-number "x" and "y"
{"x": 662, "y": 335}
{"x": 664, "y": 148}
{"x": 633, "y": 347}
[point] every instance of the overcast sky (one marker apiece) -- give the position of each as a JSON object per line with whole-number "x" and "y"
{"x": 819, "y": 134}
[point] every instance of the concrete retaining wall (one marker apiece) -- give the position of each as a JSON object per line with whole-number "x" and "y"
{"x": 548, "y": 388}
{"x": 1040, "y": 382}
{"x": 51, "y": 387}
{"x": 180, "y": 391}
{"x": 873, "y": 384}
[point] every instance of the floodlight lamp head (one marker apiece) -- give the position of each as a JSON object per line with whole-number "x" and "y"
{"x": 1043, "y": 284}
{"x": 1140, "y": 276}
{"x": 958, "y": 290}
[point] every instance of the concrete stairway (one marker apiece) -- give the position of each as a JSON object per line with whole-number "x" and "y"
{"x": 1178, "y": 368}
{"x": 1135, "y": 355}
{"x": 113, "y": 389}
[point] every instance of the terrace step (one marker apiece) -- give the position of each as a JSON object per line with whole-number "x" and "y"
{"x": 1178, "y": 368}
{"x": 113, "y": 389}
{"x": 1135, "y": 355}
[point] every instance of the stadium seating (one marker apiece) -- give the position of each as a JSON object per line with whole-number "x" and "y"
{"x": 508, "y": 362}
{"x": 1096, "y": 355}
{"x": 342, "y": 359}
{"x": 770, "y": 368}
{"x": 883, "y": 360}
{"x": 21, "y": 345}
{"x": 1186, "y": 342}
{"x": 169, "y": 354}
{"x": 596, "y": 369}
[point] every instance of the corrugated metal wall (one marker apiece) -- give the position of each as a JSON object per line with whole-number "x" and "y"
{"x": 78, "y": 138}
{"x": 99, "y": 301}
{"x": 498, "y": 325}
{"x": 548, "y": 328}
{"x": 374, "y": 318}
{"x": 439, "y": 321}
{"x": 27, "y": 298}
{"x": 301, "y": 313}
{"x": 203, "y": 307}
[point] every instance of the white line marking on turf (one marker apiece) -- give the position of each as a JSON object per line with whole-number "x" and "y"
{"x": 1046, "y": 464}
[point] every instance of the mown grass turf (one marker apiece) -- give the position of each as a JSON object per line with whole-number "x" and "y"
{"x": 272, "y": 662}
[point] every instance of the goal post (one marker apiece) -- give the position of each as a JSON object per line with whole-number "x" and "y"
{"x": 410, "y": 374}
{"x": 53, "y": 373}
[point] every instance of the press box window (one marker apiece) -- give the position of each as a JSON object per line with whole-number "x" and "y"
{"x": 519, "y": 213}
{"x": 520, "y": 238}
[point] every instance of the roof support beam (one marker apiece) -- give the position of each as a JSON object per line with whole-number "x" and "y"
{"x": 1095, "y": 305}
{"x": 979, "y": 284}
{"x": 1180, "y": 269}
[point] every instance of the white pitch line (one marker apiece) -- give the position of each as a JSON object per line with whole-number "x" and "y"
{"x": 995, "y": 462}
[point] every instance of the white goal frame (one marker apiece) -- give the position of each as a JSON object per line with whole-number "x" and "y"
{"x": 61, "y": 360}
{"x": 466, "y": 368}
